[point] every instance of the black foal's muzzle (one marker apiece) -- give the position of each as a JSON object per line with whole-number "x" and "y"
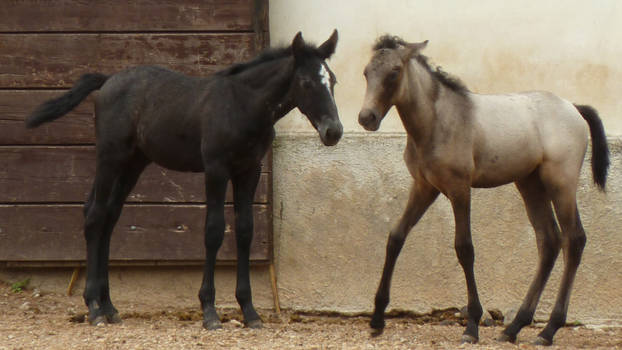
{"x": 330, "y": 132}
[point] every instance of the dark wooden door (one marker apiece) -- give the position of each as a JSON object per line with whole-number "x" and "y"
{"x": 46, "y": 173}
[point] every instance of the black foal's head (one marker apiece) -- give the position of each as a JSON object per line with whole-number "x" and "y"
{"x": 312, "y": 87}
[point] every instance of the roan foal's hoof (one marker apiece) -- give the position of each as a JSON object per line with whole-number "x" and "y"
{"x": 212, "y": 325}
{"x": 506, "y": 338}
{"x": 542, "y": 341}
{"x": 468, "y": 339}
{"x": 254, "y": 324}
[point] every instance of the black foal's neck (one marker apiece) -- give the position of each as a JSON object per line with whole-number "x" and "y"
{"x": 271, "y": 81}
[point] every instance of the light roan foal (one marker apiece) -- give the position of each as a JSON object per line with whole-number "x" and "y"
{"x": 458, "y": 140}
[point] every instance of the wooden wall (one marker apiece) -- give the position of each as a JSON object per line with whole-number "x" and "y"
{"x": 46, "y": 173}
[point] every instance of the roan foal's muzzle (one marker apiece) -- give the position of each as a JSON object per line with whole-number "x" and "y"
{"x": 369, "y": 119}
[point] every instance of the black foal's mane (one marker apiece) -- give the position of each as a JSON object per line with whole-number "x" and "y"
{"x": 268, "y": 55}
{"x": 453, "y": 83}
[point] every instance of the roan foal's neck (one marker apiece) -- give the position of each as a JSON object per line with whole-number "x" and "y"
{"x": 415, "y": 103}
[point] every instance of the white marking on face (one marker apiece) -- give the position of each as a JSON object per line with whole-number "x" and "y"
{"x": 325, "y": 77}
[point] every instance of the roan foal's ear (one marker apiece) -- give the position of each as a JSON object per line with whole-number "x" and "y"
{"x": 328, "y": 47}
{"x": 298, "y": 45}
{"x": 412, "y": 49}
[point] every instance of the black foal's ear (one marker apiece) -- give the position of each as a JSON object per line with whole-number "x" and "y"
{"x": 298, "y": 45}
{"x": 328, "y": 47}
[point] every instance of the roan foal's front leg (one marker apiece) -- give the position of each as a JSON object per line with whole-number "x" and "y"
{"x": 215, "y": 187}
{"x": 461, "y": 203}
{"x": 422, "y": 194}
{"x": 244, "y": 186}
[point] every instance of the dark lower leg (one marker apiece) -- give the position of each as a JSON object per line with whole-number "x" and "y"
{"x": 572, "y": 255}
{"x": 243, "y": 294}
{"x": 466, "y": 256}
{"x": 422, "y": 195}
{"x": 214, "y": 233}
{"x": 244, "y": 187}
{"x": 548, "y": 239}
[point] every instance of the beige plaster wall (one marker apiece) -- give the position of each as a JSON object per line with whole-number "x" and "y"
{"x": 569, "y": 47}
{"x": 334, "y": 206}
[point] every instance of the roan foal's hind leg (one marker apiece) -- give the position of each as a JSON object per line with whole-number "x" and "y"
{"x": 422, "y": 195}
{"x": 548, "y": 238}
{"x": 573, "y": 242}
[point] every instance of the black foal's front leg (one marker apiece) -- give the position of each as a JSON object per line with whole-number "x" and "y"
{"x": 461, "y": 203}
{"x": 422, "y": 195}
{"x": 244, "y": 186}
{"x": 215, "y": 187}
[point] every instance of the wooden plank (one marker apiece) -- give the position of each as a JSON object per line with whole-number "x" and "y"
{"x": 65, "y": 174}
{"x": 143, "y": 233}
{"x": 126, "y": 15}
{"x": 77, "y": 127}
{"x": 57, "y": 60}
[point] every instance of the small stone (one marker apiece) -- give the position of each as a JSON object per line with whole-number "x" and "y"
{"x": 236, "y": 323}
{"x": 496, "y": 314}
{"x": 487, "y": 320}
{"x": 509, "y": 316}
{"x": 36, "y": 293}
{"x": 25, "y": 306}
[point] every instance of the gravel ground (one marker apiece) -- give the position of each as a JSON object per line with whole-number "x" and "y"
{"x": 29, "y": 320}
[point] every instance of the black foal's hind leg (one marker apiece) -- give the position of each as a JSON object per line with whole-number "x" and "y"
{"x": 461, "y": 203}
{"x": 244, "y": 186}
{"x": 422, "y": 195}
{"x": 102, "y": 210}
{"x": 215, "y": 187}
{"x": 123, "y": 186}
{"x": 548, "y": 238}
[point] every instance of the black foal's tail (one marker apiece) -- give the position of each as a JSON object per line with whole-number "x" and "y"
{"x": 58, "y": 107}
{"x": 600, "y": 150}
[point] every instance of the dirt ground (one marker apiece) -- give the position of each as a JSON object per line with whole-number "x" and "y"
{"x": 30, "y": 320}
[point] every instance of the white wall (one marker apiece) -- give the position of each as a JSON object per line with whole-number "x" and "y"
{"x": 569, "y": 47}
{"x": 333, "y": 207}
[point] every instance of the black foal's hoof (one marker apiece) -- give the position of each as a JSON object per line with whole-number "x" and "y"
{"x": 254, "y": 324}
{"x": 542, "y": 341}
{"x": 212, "y": 325}
{"x": 97, "y": 321}
{"x": 506, "y": 338}
{"x": 377, "y": 323}
{"x": 468, "y": 339}
{"x": 114, "y": 318}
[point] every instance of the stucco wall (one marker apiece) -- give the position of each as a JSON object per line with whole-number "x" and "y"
{"x": 333, "y": 207}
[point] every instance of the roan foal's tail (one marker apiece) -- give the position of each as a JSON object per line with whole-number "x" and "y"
{"x": 600, "y": 150}
{"x": 58, "y": 107}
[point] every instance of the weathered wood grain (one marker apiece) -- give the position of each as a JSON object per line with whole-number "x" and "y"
{"x": 126, "y": 15}
{"x": 143, "y": 233}
{"x": 65, "y": 174}
{"x": 57, "y": 60}
{"x": 15, "y": 105}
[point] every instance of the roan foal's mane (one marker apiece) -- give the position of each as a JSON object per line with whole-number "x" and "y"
{"x": 453, "y": 83}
